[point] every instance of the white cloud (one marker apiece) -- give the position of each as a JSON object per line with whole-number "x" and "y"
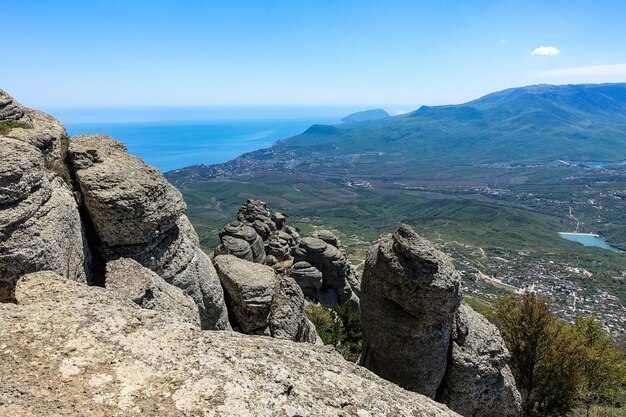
{"x": 503, "y": 41}
{"x": 545, "y": 51}
{"x": 610, "y": 70}
{"x": 400, "y": 112}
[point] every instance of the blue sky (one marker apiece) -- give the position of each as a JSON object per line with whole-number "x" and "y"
{"x": 395, "y": 54}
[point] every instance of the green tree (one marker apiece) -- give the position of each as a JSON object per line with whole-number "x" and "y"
{"x": 545, "y": 353}
{"x": 603, "y": 367}
{"x": 341, "y": 328}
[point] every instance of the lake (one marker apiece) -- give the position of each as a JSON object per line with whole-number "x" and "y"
{"x": 589, "y": 240}
{"x": 171, "y": 145}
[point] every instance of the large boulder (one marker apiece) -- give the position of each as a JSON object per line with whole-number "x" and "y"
{"x": 410, "y": 295}
{"x": 478, "y": 381}
{"x": 100, "y": 356}
{"x": 40, "y": 224}
{"x": 129, "y": 202}
{"x": 137, "y": 214}
{"x": 263, "y": 303}
{"x": 249, "y": 292}
{"x": 337, "y": 272}
{"x": 129, "y": 279}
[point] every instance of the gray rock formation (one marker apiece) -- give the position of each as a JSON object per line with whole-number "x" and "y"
{"x": 288, "y": 318}
{"x": 263, "y": 303}
{"x": 335, "y": 268}
{"x": 415, "y": 335}
{"x": 242, "y": 241}
{"x": 308, "y": 278}
{"x": 478, "y": 381}
{"x": 409, "y": 297}
{"x": 249, "y": 292}
{"x": 77, "y": 355}
{"x": 129, "y": 202}
{"x": 137, "y": 214}
{"x": 34, "y": 127}
{"x": 9, "y": 108}
{"x": 40, "y": 226}
{"x": 256, "y": 214}
{"x": 283, "y": 248}
{"x": 129, "y": 279}
{"x": 327, "y": 236}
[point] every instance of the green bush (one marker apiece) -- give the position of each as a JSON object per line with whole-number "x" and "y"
{"x": 341, "y": 328}
{"x": 7, "y": 125}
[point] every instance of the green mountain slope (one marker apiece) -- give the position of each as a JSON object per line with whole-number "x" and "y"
{"x": 536, "y": 124}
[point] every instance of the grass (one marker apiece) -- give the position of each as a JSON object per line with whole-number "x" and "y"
{"x": 7, "y": 125}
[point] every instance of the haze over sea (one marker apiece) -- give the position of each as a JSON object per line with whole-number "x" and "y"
{"x": 172, "y": 138}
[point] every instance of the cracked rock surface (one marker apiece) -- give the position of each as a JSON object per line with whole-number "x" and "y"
{"x": 81, "y": 351}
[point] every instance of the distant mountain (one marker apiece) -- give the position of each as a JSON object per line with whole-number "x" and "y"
{"x": 365, "y": 116}
{"x": 540, "y": 124}
{"x": 536, "y": 124}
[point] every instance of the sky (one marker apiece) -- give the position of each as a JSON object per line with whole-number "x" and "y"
{"x": 359, "y": 54}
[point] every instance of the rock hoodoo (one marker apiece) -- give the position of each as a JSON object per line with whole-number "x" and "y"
{"x": 73, "y": 350}
{"x": 262, "y": 302}
{"x": 417, "y": 333}
{"x": 137, "y": 214}
{"x": 316, "y": 263}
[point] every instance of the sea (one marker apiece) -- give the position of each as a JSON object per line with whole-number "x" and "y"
{"x": 213, "y": 136}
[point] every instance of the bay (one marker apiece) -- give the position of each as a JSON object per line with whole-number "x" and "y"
{"x": 171, "y": 145}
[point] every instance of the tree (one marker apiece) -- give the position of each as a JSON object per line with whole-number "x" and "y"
{"x": 545, "y": 353}
{"x": 604, "y": 366}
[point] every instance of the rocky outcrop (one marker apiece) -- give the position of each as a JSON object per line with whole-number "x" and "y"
{"x": 242, "y": 241}
{"x": 305, "y": 260}
{"x": 129, "y": 202}
{"x": 40, "y": 225}
{"x": 308, "y": 278}
{"x": 34, "y": 127}
{"x": 335, "y": 268}
{"x": 129, "y": 279}
{"x": 478, "y": 381}
{"x": 137, "y": 214}
{"x": 249, "y": 292}
{"x": 409, "y": 297}
{"x": 327, "y": 236}
{"x": 256, "y": 214}
{"x": 415, "y": 335}
{"x": 288, "y": 318}
{"x": 263, "y": 303}
{"x": 90, "y": 356}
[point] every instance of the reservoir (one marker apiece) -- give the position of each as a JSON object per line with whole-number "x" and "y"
{"x": 589, "y": 239}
